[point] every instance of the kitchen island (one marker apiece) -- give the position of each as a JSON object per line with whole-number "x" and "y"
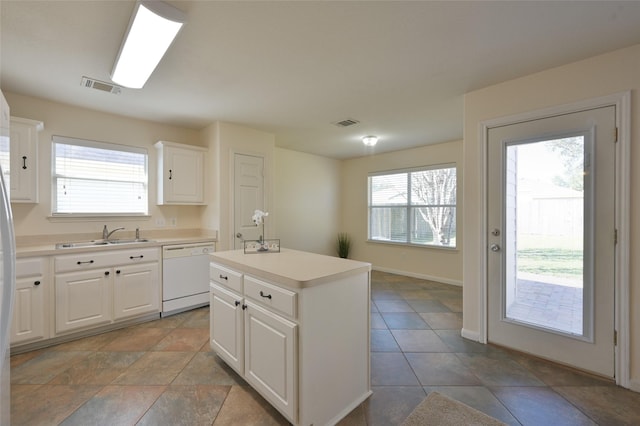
{"x": 295, "y": 326}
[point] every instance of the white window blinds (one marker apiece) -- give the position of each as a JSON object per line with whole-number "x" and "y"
{"x": 98, "y": 178}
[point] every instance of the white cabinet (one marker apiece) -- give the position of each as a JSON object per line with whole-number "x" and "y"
{"x": 270, "y": 357}
{"x": 180, "y": 173}
{"x": 100, "y": 287}
{"x": 83, "y": 299}
{"x": 226, "y": 308}
{"x": 30, "y": 305}
{"x": 135, "y": 290}
{"x": 255, "y": 341}
{"x": 24, "y": 160}
{"x": 303, "y": 344}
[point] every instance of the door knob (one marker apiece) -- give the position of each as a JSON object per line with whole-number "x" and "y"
{"x": 238, "y": 235}
{"x": 494, "y": 247}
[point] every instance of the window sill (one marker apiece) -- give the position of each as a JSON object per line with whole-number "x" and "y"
{"x": 423, "y": 246}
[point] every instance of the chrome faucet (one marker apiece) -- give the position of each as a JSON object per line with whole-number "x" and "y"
{"x": 106, "y": 234}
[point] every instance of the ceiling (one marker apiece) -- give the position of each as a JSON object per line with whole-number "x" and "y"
{"x": 295, "y": 68}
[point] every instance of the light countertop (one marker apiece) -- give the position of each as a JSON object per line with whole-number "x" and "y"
{"x": 292, "y": 268}
{"x": 46, "y": 245}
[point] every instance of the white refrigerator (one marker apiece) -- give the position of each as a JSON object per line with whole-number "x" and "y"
{"x": 7, "y": 269}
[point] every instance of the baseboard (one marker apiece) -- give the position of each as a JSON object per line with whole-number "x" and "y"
{"x": 470, "y": 335}
{"x": 634, "y": 385}
{"x": 419, "y": 276}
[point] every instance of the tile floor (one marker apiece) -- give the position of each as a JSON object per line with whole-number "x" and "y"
{"x": 163, "y": 373}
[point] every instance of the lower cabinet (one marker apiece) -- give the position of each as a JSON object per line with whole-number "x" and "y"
{"x": 226, "y": 308}
{"x": 135, "y": 290}
{"x": 98, "y": 288}
{"x": 30, "y": 301}
{"x": 259, "y": 344}
{"x": 270, "y": 357}
{"x": 83, "y": 299}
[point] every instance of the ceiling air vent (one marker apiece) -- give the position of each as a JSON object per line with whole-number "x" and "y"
{"x": 92, "y": 83}
{"x": 346, "y": 123}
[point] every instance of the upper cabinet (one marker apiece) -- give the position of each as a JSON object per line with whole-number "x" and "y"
{"x": 24, "y": 160}
{"x": 180, "y": 173}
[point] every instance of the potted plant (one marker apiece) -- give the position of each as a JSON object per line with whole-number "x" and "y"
{"x": 343, "y": 244}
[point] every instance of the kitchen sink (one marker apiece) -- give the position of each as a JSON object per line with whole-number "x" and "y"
{"x": 98, "y": 243}
{"x": 129, "y": 241}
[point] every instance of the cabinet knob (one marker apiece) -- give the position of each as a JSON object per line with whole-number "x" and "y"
{"x": 244, "y": 307}
{"x": 36, "y": 283}
{"x": 106, "y": 273}
{"x": 117, "y": 271}
{"x": 237, "y": 302}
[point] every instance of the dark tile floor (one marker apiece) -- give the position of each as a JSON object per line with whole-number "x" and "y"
{"x": 163, "y": 373}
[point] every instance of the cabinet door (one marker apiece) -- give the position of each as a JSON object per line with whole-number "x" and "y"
{"x": 270, "y": 358}
{"x": 24, "y": 160}
{"x": 83, "y": 299}
{"x": 135, "y": 290}
{"x": 226, "y": 326}
{"x": 184, "y": 175}
{"x": 28, "y": 311}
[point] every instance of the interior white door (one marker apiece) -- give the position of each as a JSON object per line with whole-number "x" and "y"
{"x": 248, "y": 197}
{"x": 551, "y": 242}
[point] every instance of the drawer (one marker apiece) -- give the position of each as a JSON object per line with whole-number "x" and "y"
{"x": 30, "y": 267}
{"x": 104, "y": 259}
{"x": 272, "y": 296}
{"x": 225, "y": 276}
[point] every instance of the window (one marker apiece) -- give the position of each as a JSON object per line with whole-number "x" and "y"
{"x": 98, "y": 178}
{"x": 416, "y": 206}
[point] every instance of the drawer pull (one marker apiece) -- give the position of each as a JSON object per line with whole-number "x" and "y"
{"x": 86, "y": 261}
{"x": 136, "y": 257}
{"x": 223, "y": 277}
{"x": 24, "y": 162}
{"x": 237, "y": 302}
{"x": 36, "y": 283}
{"x": 268, "y": 296}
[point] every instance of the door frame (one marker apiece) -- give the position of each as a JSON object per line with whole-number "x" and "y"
{"x": 622, "y": 103}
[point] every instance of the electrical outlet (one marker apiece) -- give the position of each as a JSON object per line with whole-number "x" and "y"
{"x": 173, "y": 221}
{"x": 160, "y": 222}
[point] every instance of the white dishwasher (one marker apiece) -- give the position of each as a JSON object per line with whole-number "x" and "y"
{"x": 185, "y": 277}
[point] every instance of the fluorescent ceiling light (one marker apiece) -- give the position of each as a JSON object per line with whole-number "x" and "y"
{"x": 151, "y": 31}
{"x": 370, "y": 140}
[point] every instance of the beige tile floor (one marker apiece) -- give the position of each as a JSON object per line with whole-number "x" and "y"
{"x": 163, "y": 373}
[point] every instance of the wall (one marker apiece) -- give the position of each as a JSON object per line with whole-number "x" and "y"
{"x": 307, "y": 195}
{"x": 65, "y": 120}
{"x": 442, "y": 265}
{"x": 598, "y": 76}
{"x": 225, "y": 140}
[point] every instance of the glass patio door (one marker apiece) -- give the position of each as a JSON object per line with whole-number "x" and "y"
{"x": 551, "y": 187}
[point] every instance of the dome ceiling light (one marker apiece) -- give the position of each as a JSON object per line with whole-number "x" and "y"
{"x": 370, "y": 140}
